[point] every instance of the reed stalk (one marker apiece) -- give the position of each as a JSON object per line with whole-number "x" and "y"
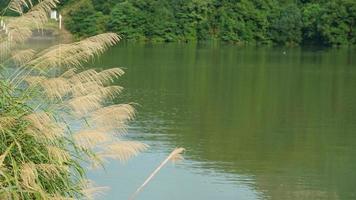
{"x": 55, "y": 115}
{"x": 173, "y": 156}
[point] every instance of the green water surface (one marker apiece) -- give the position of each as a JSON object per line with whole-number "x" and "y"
{"x": 257, "y": 123}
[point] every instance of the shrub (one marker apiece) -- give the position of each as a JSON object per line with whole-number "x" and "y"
{"x": 55, "y": 116}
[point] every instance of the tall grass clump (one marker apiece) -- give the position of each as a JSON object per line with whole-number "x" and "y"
{"x": 55, "y": 116}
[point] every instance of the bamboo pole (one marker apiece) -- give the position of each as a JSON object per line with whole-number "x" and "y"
{"x": 175, "y": 154}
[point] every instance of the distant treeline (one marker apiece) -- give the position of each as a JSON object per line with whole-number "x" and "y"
{"x": 285, "y": 22}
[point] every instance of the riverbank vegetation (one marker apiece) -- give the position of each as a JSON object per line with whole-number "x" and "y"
{"x": 282, "y": 22}
{"x": 56, "y": 117}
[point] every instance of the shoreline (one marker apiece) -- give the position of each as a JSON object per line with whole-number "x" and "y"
{"x": 62, "y": 35}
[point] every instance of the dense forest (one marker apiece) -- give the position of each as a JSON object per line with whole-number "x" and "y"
{"x": 284, "y": 22}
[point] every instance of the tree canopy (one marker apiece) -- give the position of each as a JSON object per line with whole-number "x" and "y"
{"x": 284, "y": 22}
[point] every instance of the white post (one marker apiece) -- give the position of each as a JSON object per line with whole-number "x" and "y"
{"x": 60, "y": 21}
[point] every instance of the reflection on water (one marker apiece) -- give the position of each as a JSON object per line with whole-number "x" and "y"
{"x": 257, "y": 123}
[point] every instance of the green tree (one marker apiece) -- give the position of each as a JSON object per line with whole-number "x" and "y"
{"x": 282, "y": 22}
{"x": 84, "y": 20}
{"x": 127, "y": 20}
{"x": 286, "y": 26}
{"x": 311, "y": 15}
{"x": 333, "y": 28}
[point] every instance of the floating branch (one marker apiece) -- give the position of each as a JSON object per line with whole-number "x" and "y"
{"x": 174, "y": 156}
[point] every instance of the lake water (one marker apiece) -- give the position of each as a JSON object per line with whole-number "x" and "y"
{"x": 257, "y": 123}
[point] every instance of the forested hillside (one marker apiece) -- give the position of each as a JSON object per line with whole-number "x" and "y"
{"x": 285, "y": 22}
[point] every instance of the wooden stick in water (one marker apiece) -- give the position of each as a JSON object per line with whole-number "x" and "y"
{"x": 176, "y": 154}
